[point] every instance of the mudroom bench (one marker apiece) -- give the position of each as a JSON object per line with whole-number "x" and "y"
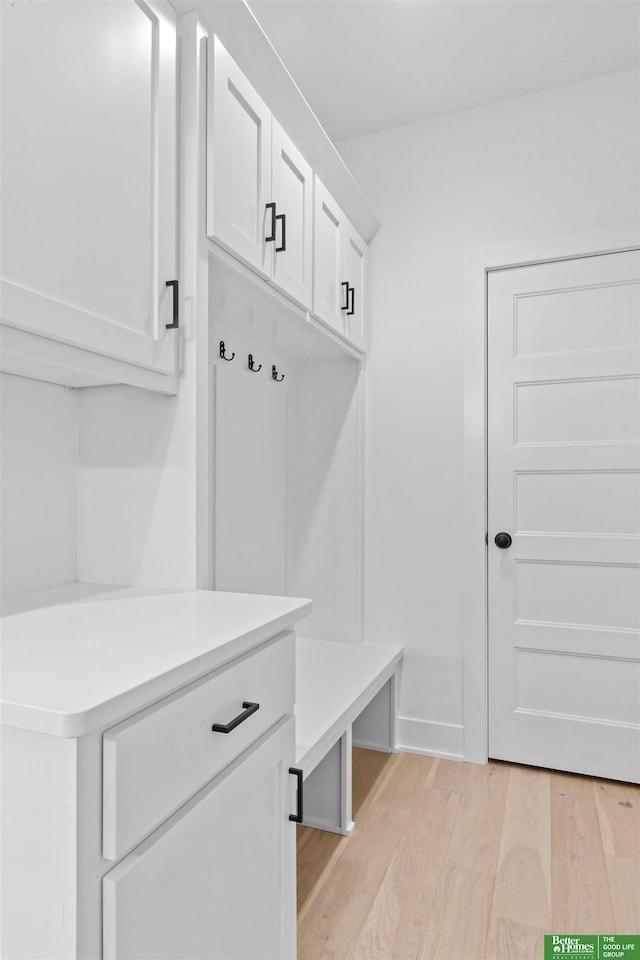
{"x": 346, "y": 695}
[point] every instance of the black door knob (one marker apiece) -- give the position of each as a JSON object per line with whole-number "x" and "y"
{"x": 502, "y": 540}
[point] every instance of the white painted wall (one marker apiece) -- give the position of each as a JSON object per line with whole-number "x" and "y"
{"x": 39, "y": 461}
{"x": 556, "y": 162}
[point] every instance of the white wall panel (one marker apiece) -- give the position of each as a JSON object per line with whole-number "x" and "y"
{"x": 39, "y": 458}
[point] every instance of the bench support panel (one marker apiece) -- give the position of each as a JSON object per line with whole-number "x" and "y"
{"x": 327, "y": 790}
{"x": 376, "y": 727}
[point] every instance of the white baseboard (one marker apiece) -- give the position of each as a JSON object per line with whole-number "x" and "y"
{"x": 430, "y": 738}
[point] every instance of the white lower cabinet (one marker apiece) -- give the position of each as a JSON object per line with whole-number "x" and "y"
{"x": 217, "y": 880}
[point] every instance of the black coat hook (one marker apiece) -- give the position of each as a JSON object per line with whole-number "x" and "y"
{"x": 223, "y": 353}
{"x": 274, "y": 374}
{"x": 251, "y": 364}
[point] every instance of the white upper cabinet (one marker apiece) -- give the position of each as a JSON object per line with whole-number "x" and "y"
{"x": 239, "y": 164}
{"x": 355, "y": 277}
{"x": 259, "y": 185}
{"x": 329, "y": 296}
{"x": 339, "y": 270}
{"x": 291, "y": 188}
{"x": 89, "y": 177}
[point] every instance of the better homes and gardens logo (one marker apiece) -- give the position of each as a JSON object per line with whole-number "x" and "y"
{"x": 593, "y": 948}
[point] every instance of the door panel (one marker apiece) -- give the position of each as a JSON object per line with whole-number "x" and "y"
{"x": 328, "y": 259}
{"x": 564, "y": 481}
{"x": 292, "y": 183}
{"x": 88, "y": 185}
{"x": 238, "y": 163}
{"x": 217, "y": 880}
{"x": 355, "y": 273}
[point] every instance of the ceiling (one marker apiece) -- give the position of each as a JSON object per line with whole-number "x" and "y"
{"x": 365, "y": 65}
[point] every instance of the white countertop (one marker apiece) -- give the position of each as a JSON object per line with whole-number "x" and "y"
{"x": 70, "y": 669}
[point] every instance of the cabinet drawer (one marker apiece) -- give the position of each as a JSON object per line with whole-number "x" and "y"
{"x": 155, "y": 761}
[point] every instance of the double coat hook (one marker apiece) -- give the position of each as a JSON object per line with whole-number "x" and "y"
{"x": 274, "y": 374}
{"x": 251, "y": 364}
{"x": 223, "y": 354}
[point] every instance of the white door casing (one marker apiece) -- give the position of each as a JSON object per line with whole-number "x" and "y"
{"x": 563, "y": 481}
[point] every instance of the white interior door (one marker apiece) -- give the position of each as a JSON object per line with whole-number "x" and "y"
{"x": 563, "y": 482}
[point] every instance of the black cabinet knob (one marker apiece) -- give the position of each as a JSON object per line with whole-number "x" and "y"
{"x": 502, "y": 540}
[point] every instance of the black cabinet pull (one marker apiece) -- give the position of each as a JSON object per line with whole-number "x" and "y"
{"x": 345, "y": 286}
{"x": 283, "y": 245}
{"x": 272, "y": 207}
{"x": 352, "y": 290}
{"x": 249, "y": 708}
{"x": 297, "y": 816}
{"x": 174, "y": 324}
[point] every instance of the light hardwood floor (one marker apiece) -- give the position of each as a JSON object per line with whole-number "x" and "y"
{"x": 456, "y": 861}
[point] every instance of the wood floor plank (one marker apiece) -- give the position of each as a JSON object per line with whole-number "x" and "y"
{"x": 581, "y": 901}
{"x": 317, "y": 852}
{"x": 457, "y": 925}
{"x": 475, "y": 843}
{"x": 451, "y": 775}
{"x": 395, "y": 925}
{"x": 523, "y": 882}
{"x": 624, "y": 883}
{"x": 619, "y": 815}
{"x": 334, "y": 921}
{"x": 370, "y": 768}
{"x": 510, "y": 940}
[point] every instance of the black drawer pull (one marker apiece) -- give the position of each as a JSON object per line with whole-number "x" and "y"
{"x": 283, "y": 245}
{"x": 345, "y": 286}
{"x": 249, "y": 708}
{"x": 297, "y": 816}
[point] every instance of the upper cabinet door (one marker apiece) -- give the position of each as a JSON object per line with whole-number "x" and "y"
{"x": 238, "y": 164}
{"x": 329, "y": 294}
{"x": 355, "y": 275}
{"x": 89, "y": 176}
{"x": 291, "y": 190}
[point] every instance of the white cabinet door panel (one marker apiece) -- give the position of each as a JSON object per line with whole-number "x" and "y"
{"x": 291, "y": 190}
{"x": 355, "y": 274}
{"x": 217, "y": 881}
{"x": 564, "y": 474}
{"x": 328, "y": 293}
{"x": 88, "y": 185}
{"x": 238, "y": 163}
